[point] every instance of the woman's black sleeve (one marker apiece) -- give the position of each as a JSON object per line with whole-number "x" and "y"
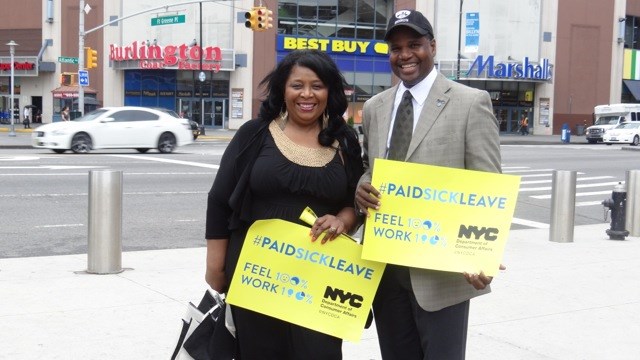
{"x": 218, "y": 209}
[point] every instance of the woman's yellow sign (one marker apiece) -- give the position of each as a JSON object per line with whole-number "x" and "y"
{"x": 324, "y": 287}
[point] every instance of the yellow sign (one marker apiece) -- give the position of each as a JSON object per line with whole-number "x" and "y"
{"x": 332, "y": 45}
{"x": 440, "y": 218}
{"x": 323, "y": 287}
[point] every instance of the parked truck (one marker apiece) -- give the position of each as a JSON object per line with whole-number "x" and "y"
{"x": 609, "y": 116}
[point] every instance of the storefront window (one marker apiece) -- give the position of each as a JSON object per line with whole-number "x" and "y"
{"x": 631, "y": 32}
{"x": 363, "y": 19}
{"x": 347, "y": 11}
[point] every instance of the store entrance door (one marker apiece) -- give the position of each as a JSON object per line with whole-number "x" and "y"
{"x": 214, "y": 110}
{"x": 192, "y": 108}
{"x": 219, "y": 113}
{"x": 508, "y": 118}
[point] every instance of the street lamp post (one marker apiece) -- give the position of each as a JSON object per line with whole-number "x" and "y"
{"x": 202, "y": 77}
{"x": 459, "y": 40}
{"x": 12, "y": 51}
{"x": 81, "y": 34}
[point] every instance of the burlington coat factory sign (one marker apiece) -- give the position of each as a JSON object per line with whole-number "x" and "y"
{"x": 22, "y": 66}
{"x": 138, "y": 55}
{"x": 524, "y": 70}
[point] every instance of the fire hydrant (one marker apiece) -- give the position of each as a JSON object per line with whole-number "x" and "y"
{"x": 617, "y": 205}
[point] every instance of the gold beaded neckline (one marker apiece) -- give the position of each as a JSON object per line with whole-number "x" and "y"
{"x": 301, "y": 155}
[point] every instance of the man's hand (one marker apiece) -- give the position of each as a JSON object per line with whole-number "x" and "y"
{"x": 367, "y": 197}
{"x": 480, "y": 281}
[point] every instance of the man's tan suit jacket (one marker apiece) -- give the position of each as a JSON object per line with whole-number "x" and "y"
{"x": 457, "y": 128}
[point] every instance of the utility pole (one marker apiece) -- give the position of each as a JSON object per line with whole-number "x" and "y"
{"x": 202, "y": 77}
{"x": 459, "y": 40}
{"x": 81, "y": 57}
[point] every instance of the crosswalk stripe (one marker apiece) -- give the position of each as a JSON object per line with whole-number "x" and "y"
{"x": 536, "y": 175}
{"x": 527, "y": 171}
{"x": 578, "y": 179}
{"x": 591, "y": 193}
{"x": 579, "y": 186}
{"x": 533, "y": 224}
{"x": 588, "y": 203}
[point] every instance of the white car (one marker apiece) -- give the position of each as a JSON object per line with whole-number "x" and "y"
{"x": 625, "y": 133}
{"x": 115, "y": 127}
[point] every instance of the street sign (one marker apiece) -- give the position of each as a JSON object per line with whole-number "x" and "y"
{"x": 67, "y": 60}
{"x": 83, "y": 77}
{"x": 168, "y": 20}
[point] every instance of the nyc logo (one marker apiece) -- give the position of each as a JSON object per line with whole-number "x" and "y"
{"x": 477, "y": 233}
{"x": 341, "y": 296}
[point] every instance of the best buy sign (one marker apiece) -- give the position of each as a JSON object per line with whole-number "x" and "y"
{"x": 333, "y": 45}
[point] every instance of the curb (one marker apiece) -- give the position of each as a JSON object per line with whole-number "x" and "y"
{"x": 6, "y": 130}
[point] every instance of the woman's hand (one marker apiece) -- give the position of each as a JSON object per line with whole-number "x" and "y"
{"x": 367, "y": 197}
{"x": 330, "y": 225}
{"x": 216, "y": 279}
{"x": 214, "y": 274}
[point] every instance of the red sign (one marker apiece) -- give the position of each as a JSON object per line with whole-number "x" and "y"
{"x": 182, "y": 56}
{"x": 17, "y": 66}
{"x": 65, "y": 95}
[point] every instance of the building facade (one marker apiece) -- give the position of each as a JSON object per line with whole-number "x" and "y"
{"x": 551, "y": 61}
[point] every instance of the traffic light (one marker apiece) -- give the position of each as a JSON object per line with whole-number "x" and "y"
{"x": 264, "y": 18}
{"x": 68, "y": 79}
{"x": 65, "y": 79}
{"x": 252, "y": 18}
{"x": 91, "y": 57}
{"x": 258, "y": 18}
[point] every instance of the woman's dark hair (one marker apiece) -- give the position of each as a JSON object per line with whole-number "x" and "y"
{"x": 324, "y": 67}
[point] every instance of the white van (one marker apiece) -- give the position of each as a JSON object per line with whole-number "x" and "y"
{"x": 610, "y": 116}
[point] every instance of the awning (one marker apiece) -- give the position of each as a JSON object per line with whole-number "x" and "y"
{"x": 634, "y": 88}
{"x": 64, "y": 92}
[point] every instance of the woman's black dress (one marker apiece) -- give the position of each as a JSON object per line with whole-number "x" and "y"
{"x": 284, "y": 180}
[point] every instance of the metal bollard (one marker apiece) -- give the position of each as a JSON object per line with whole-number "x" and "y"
{"x": 563, "y": 206}
{"x": 105, "y": 222}
{"x": 633, "y": 202}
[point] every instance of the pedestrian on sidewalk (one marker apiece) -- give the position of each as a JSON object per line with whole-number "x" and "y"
{"x": 65, "y": 114}
{"x": 26, "y": 115}
{"x": 524, "y": 125}
{"x": 419, "y": 313}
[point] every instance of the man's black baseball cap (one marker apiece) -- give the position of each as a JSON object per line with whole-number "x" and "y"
{"x": 412, "y": 19}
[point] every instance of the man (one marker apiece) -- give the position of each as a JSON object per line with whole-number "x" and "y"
{"x": 423, "y": 314}
{"x": 26, "y": 121}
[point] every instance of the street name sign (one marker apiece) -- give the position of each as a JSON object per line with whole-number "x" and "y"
{"x": 168, "y": 20}
{"x": 83, "y": 77}
{"x": 67, "y": 60}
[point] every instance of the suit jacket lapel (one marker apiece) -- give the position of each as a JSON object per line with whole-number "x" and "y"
{"x": 383, "y": 113}
{"x": 433, "y": 106}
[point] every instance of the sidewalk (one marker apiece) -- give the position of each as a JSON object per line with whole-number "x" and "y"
{"x": 578, "y": 300}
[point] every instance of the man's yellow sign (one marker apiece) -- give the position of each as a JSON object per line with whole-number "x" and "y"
{"x": 440, "y": 218}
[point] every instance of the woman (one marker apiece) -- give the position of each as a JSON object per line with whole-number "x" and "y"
{"x": 65, "y": 114}
{"x": 299, "y": 152}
